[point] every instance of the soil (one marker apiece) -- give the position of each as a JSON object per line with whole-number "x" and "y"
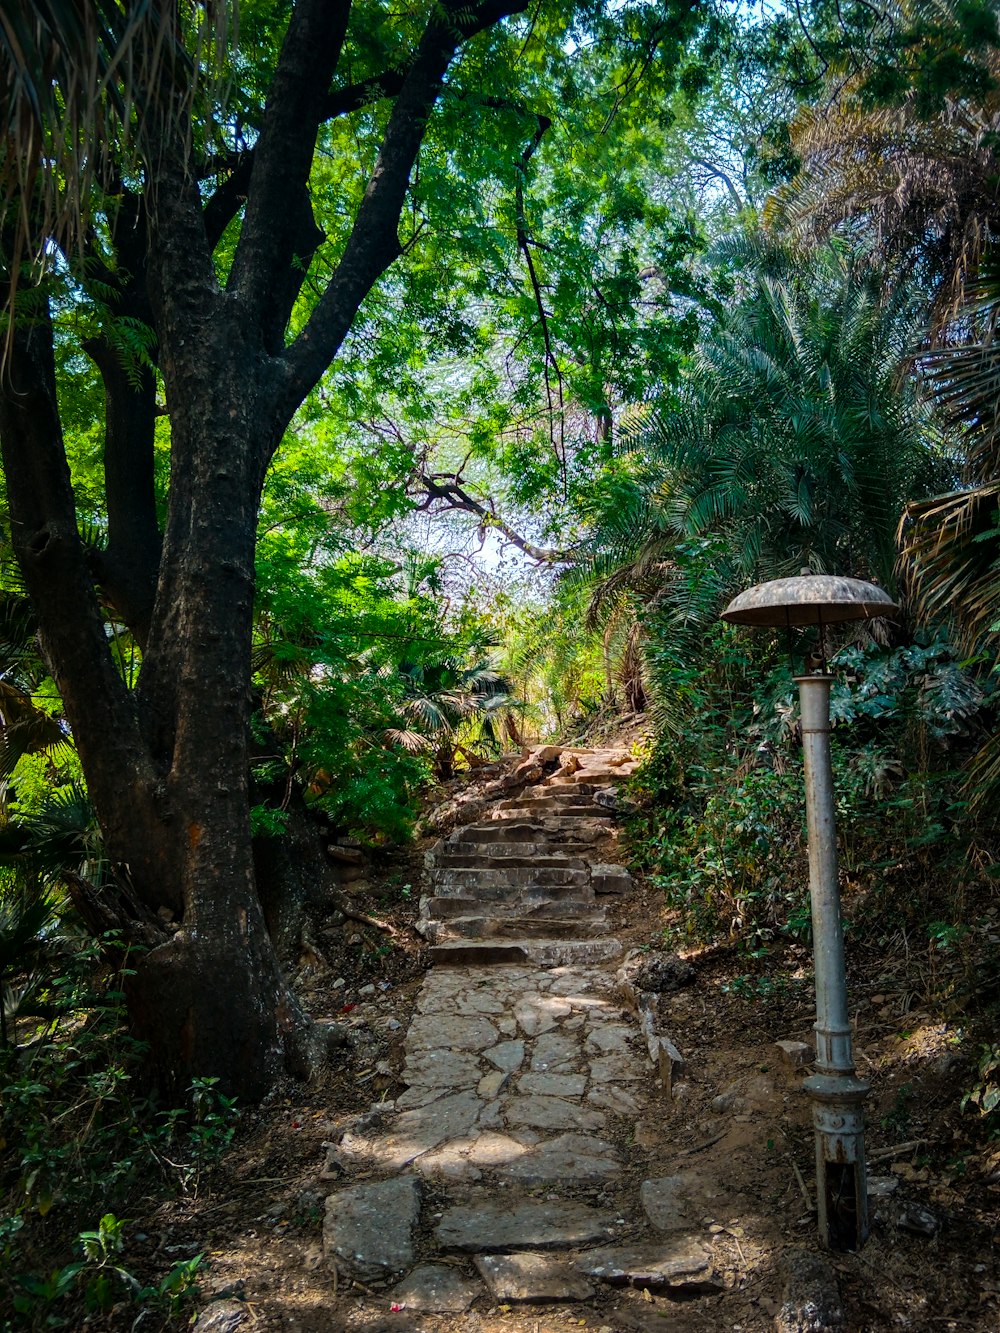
{"x": 739, "y": 1123}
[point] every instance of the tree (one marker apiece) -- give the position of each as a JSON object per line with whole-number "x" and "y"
{"x": 246, "y": 237}
{"x": 795, "y": 434}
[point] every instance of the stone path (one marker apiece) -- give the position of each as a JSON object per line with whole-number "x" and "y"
{"x": 505, "y": 1169}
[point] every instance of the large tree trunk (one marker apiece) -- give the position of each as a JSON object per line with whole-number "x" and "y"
{"x": 166, "y": 763}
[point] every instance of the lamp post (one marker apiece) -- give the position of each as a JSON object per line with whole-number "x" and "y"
{"x": 836, "y": 1091}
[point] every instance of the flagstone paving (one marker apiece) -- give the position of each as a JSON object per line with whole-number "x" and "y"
{"x": 511, "y": 1152}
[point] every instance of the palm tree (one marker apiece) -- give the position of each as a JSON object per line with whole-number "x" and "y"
{"x": 950, "y": 558}
{"x": 923, "y": 190}
{"x": 795, "y": 440}
{"x": 795, "y": 435}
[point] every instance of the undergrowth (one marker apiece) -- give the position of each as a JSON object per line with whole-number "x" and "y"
{"x": 81, "y": 1141}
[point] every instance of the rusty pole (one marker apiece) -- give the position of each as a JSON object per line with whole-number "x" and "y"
{"x": 836, "y": 1091}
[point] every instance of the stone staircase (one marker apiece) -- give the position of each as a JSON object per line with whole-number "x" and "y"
{"x": 525, "y": 886}
{"x": 509, "y": 1168}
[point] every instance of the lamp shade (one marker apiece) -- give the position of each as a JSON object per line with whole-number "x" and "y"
{"x": 809, "y": 599}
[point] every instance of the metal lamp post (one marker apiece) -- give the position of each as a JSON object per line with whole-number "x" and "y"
{"x": 836, "y": 1091}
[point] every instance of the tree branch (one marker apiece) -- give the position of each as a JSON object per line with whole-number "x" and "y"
{"x": 446, "y": 492}
{"x": 374, "y": 242}
{"x": 524, "y": 244}
{"x": 282, "y": 161}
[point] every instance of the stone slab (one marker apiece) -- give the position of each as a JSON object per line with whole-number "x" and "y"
{"x": 553, "y": 1085}
{"x": 615, "y": 1069}
{"x": 429, "y": 1032}
{"x": 610, "y": 1097}
{"x": 528, "y": 1278}
{"x": 534, "y": 1225}
{"x": 441, "y": 1069}
{"x": 556, "y": 1053}
{"x": 414, "y": 1132}
{"x": 369, "y": 1227}
{"x": 506, "y": 1055}
{"x": 681, "y": 1266}
{"x": 576, "y": 1159}
{"x": 551, "y": 1113}
{"x": 435, "y": 1289}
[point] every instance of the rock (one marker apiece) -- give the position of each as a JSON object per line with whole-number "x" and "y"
{"x": 553, "y": 1085}
{"x": 221, "y": 1317}
{"x": 367, "y": 990}
{"x": 345, "y": 855}
{"x": 492, "y": 1084}
{"x": 528, "y": 1225}
{"x": 610, "y": 879}
{"x": 552, "y": 1113}
{"x": 575, "y": 1159}
{"x": 880, "y": 1187}
{"x": 432, "y": 1032}
{"x": 795, "y": 1054}
{"x": 507, "y": 1056}
{"x": 614, "y": 1069}
{"x": 532, "y": 1277}
{"x": 435, "y": 1289}
{"x": 729, "y": 1100}
{"x": 369, "y": 1227}
{"x": 441, "y": 1069}
{"x": 811, "y": 1301}
{"x": 663, "y": 1200}
{"x": 660, "y": 973}
{"x": 555, "y": 1053}
{"x": 417, "y": 1131}
{"x": 611, "y": 1038}
{"x": 679, "y": 1267}
{"x": 918, "y": 1220}
{"x": 614, "y": 1099}
{"x": 539, "y": 1013}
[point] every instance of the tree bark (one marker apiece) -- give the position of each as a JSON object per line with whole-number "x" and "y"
{"x": 167, "y": 763}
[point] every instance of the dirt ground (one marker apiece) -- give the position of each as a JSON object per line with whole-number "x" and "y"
{"x": 739, "y": 1124}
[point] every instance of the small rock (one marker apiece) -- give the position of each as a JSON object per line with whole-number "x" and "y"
{"x": 367, "y": 990}
{"x": 880, "y": 1187}
{"x": 541, "y": 1225}
{"x": 532, "y": 1277}
{"x": 795, "y": 1054}
{"x": 918, "y": 1220}
{"x": 811, "y": 1302}
{"x": 216, "y": 1287}
{"x": 393, "y": 1024}
{"x": 435, "y": 1289}
{"x": 726, "y": 1101}
{"x": 340, "y": 983}
{"x": 680, "y": 1267}
{"x": 369, "y": 1227}
{"x": 221, "y": 1317}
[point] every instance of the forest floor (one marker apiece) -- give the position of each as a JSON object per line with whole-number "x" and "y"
{"x": 738, "y": 1128}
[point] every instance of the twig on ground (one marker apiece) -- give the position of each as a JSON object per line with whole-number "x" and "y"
{"x": 700, "y": 1147}
{"x": 898, "y": 1150}
{"x": 803, "y": 1187}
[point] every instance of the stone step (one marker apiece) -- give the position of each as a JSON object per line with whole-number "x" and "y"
{"x": 443, "y": 906}
{"x": 467, "y": 877}
{"x": 539, "y": 953}
{"x": 517, "y": 928}
{"x": 590, "y": 810}
{"x": 513, "y": 831}
{"x": 506, "y": 851}
{"x": 556, "y": 791}
{"x": 549, "y": 801}
{"x": 472, "y": 857}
